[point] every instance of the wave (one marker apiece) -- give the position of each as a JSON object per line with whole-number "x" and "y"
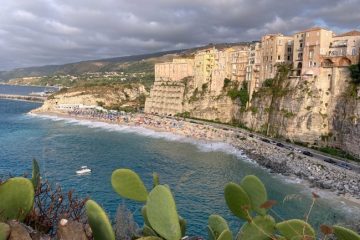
{"x": 202, "y": 145}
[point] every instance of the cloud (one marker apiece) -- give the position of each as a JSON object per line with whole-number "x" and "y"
{"x": 40, "y": 32}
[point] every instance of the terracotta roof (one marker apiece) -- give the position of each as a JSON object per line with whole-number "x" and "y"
{"x": 351, "y": 33}
{"x": 313, "y": 29}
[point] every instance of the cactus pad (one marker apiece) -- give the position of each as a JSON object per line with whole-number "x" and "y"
{"x": 237, "y": 200}
{"x": 129, "y": 185}
{"x": 256, "y": 192}
{"x": 295, "y": 228}
{"x": 261, "y": 228}
{"x": 99, "y": 222}
{"x": 16, "y": 198}
{"x": 342, "y": 233}
{"x": 162, "y": 214}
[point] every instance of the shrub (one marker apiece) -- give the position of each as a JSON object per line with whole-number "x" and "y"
{"x": 355, "y": 73}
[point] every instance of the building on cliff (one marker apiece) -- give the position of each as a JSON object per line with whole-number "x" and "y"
{"x": 275, "y": 49}
{"x": 167, "y": 93}
{"x": 316, "y": 53}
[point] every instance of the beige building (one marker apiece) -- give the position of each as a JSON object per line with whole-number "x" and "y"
{"x": 175, "y": 70}
{"x": 253, "y": 68}
{"x": 204, "y": 63}
{"x": 316, "y": 44}
{"x": 275, "y": 49}
{"x": 167, "y": 94}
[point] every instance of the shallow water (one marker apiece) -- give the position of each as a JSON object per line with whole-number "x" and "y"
{"x": 195, "y": 170}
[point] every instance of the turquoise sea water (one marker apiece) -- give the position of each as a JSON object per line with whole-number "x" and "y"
{"x": 196, "y": 171}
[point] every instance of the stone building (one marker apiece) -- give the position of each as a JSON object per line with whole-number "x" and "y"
{"x": 167, "y": 94}
{"x": 253, "y": 68}
{"x": 275, "y": 49}
{"x": 316, "y": 44}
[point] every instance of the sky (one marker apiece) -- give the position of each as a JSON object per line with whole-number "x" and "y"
{"x": 43, "y": 32}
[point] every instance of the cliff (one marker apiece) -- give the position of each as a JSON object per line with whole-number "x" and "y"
{"x": 128, "y": 97}
{"x": 319, "y": 110}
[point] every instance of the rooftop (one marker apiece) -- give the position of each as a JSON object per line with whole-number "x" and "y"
{"x": 351, "y": 33}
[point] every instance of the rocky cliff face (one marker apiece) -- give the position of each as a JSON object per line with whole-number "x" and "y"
{"x": 120, "y": 96}
{"x": 316, "y": 110}
{"x": 346, "y": 122}
{"x": 309, "y": 110}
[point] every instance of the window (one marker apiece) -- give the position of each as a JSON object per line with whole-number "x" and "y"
{"x": 301, "y": 45}
{"x": 310, "y": 63}
{"x": 311, "y": 54}
{"x": 288, "y": 58}
{"x": 278, "y": 57}
{"x": 314, "y": 64}
{"x": 270, "y": 57}
{"x": 353, "y": 52}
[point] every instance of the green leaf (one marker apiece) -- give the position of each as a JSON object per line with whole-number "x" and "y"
{"x": 35, "y": 174}
{"x": 295, "y": 228}
{"x": 162, "y": 214}
{"x": 99, "y": 222}
{"x": 129, "y": 185}
{"x": 256, "y": 191}
{"x": 342, "y": 233}
{"x": 261, "y": 228}
{"x": 4, "y": 231}
{"x": 16, "y": 198}
{"x": 225, "y": 235}
{"x": 237, "y": 200}
{"x": 217, "y": 224}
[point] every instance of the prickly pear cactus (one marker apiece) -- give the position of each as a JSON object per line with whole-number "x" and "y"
{"x": 162, "y": 214}
{"x": 129, "y": 185}
{"x": 342, "y": 233}
{"x": 16, "y": 198}
{"x": 256, "y": 191}
{"x": 260, "y": 228}
{"x": 216, "y": 226}
{"x": 182, "y": 223}
{"x": 4, "y": 231}
{"x": 237, "y": 200}
{"x": 99, "y": 222}
{"x": 225, "y": 235}
{"x": 35, "y": 174}
{"x": 156, "y": 180}
{"x": 295, "y": 228}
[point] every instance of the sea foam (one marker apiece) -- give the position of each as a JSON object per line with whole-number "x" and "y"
{"x": 202, "y": 145}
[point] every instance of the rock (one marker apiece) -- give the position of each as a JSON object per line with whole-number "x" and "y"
{"x": 70, "y": 230}
{"x": 18, "y": 231}
{"x": 39, "y": 236}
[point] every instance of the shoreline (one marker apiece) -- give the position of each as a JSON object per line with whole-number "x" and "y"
{"x": 313, "y": 174}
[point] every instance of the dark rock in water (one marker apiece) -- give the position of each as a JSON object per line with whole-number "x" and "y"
{"x": 18, "y": 231}
{"x": 70, "y": 230}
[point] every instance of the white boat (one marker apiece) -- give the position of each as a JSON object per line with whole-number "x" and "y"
{"x": 83, "y": 170}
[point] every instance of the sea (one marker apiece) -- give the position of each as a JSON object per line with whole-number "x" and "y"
{"x": 196, "y": 171}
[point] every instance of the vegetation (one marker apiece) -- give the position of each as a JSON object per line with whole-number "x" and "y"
{"x": 247, "y": 200}
{"x": 355, "y": 73}
{"x": 242, "y": 94}
{"x": 337, "y": 152}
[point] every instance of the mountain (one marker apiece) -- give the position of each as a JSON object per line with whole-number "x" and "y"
{"x": 101, "y": 65}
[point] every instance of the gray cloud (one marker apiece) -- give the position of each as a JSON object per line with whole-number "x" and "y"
{"x": 40, "y": 32}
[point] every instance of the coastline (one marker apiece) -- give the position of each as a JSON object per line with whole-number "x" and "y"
{"x": 317, "y": 175}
